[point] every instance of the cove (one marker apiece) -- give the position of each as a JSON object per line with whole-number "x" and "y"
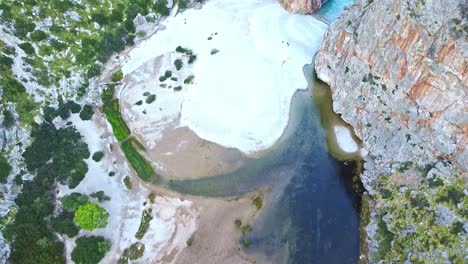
{"x": 312, "y": 213}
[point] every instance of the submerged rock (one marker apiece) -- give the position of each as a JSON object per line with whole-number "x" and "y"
{"x": 398, "y": 71}
{"x": 302, "y": 6}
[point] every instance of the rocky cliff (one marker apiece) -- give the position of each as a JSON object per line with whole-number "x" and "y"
{"x": 302, "y": 6}
{"x": 398, "y": 71}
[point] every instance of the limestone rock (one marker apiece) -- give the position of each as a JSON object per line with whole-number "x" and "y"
{"x": 398, "y": 71}
{"x": 302, "y": 6}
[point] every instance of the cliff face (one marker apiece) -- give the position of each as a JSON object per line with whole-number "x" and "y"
{"x": 398, "y": 71}
{"x": 302, "y": 6}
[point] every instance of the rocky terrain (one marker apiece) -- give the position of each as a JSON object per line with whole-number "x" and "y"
{"x": 302, "y": 6}
{"x": 398, "y": 71}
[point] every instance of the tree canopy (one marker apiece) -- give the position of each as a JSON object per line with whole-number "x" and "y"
{"x": 90, "y": 216}
{"x": 90, "y": 250}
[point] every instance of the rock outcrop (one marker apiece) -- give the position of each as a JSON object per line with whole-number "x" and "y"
{"x": 398, "y": 71}
{"x": 302, "y": 6}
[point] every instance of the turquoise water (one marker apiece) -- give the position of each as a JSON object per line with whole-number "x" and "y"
{"x": 333, "y": 8}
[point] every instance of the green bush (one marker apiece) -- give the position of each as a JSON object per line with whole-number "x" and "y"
{"x": 101, "y": 196}
{"x": 90, "y": 250}
{"x": 189, "y": 79}
{"x": 5, "y": 169}
{"x": 178, "y": 88}
{"x": 86, "y": 113}
{"x": 112, "y": 111}
{"x": 27, "y": 48}
{"x": 128, "y": 183}
{"x": 178, "y": 64}
{"x": 138, "y": 163}
{"x": 90, "y": 216}
{"x": 146, "y": 217}
{"x": 192, "y": 58}
{"x": 74, "y": 200}
{"x": 38, "y": 35}
{"x": 117, "y": 76}
{"x": 134, "y": 252}
{"x": 257, "y": 202}
{"x": 63, "y": 224}
{"x": 150, "y": 99}
{"x": 94, "y": 70}
{"x": 98, "y": 155}
{"x": 8, "y": 119}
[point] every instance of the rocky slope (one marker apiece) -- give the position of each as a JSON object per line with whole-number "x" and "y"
{"x": 398, "y": 71}
{"x": 302, "y": 6}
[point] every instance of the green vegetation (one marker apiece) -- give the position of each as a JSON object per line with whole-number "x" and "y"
{"x": 111, "y": 108}
{"x": 5, "y": 169}
{"x": 97, "y": 156}
{"x": 146, "y": 217}
{"x": 90, "y": 250}
{"x": 189, "y": 241}
{"x": 72, "y": 201}
{"x": 90, "y": 216}
{"x": 117, "y": 76}
{"x": 14, "y": 90}
{"x": 134, "y": 252}
{"x": 178, "y": 64}
{"x": 189, "y": 79}
{"x": 238, "y": 223}
{"x": 54, "y": 155}
{"x": 246, "y": 228}
{"x": 167, "y": 75}
{"x": 87, "y": 112}
{"x": 151, "y": 98}
{"x": 8, "y": 119}
{"x": 128, "y": 183}
{"x": 100, "y": 196}
{"x": 63, "y": 224}
{"x": 414, "y": 208}
{"x": 178, "y": 88}
{"x": 258, "y": 202}
{"x": 152, "y": 197}
{"x": 137, "y": 161}
{"x": 214, "y": 51}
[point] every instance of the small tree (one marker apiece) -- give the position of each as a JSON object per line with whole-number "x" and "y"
{"x": 90, "y": 250}
{"x": 91, "y": 216}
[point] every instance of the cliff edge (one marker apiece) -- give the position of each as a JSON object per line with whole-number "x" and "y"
{"x": 302, "y": 6}
{"x": 398, "y": 71}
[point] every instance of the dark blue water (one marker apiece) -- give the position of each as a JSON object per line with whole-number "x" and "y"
{"x": 312, "y": 213}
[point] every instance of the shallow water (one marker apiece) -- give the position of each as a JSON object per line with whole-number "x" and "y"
{"x": 312, "y": 214}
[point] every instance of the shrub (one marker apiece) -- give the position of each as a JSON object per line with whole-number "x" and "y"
{"x": 8, "y": 119}
{"x": 112, "y": 111}
{"x": 238, "y": 223}
{"x": 135, "y": 251}
{"x": 178, "y": 64}
{"x": 146, "y": 217}
{"x": 138, "y": 163}
{"x": 192, "y": 58}
{"x": 189, "y": 79}
{"x": 5, "y": 169}
{"x": 101, "y": 196}
{"x": 38, "y": 35}
{"x": 214, "y": 51}
{"x": 91, "y": 216}
{"x": 189, "y": 241}
{"x": 94, "y": 70}
{"x": 98, "y": 155}
{"x": 117, "y": 76}
{"x": 140, "y": 102}
{"x": 128, "y": 183}
{"x": 182, "y": 50}
{"x": 86, "y": 113}
{"x": 177, "y": 88}
{"x": 257, "y": 202}
{"x": 152, "y": 197}
{"x": 150, "y": 99}
{"x": 63, "y": 224}
{"x": 90, "y": 250}
{"x": 27, "y": 48}
{"x": 72, "y": 201}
